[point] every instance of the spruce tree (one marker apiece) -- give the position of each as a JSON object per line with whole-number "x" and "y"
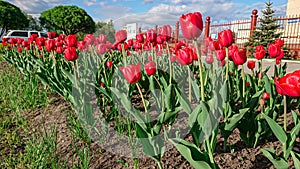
{"x": 266, "y": 30}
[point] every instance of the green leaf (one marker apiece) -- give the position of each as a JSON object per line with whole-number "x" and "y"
{"x": 184, "y": 103}
{"x": 194, "y": 115}
{"x": 296, "y": 159}
{"x": 232, "y": 122}
{"x": 196, "y": 90}
{"x": 192, "y": 154}
{"x": 276, "y": 129}
{"x": 278, "y": 162}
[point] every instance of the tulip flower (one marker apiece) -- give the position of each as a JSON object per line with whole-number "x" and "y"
{"x": 239, "y": 57}
{"x": 225, "y": 38}
{"x": 101, "y": 48}
{"x": 274, "y": 50}
{"x": 220, "y": 54}
{"x": 151, "y": 35}
{"x": 150, "y": 68}
{"x": 50, "y": 44}
{"x": 109, "y": 64}
{"x": 71, "y": 40}
{"x": 102, "y": 38}
{"x": 51, "y": 35}
{"x": 89, "y": 39}
{"x": 251, "y": 64}
{"x": 191, "y": 25}
{"x": 266, "y": 96}
{"x": 165, "y": 31}
{"x": 120, "y": 36}
{"x": 209, "y": 59}
{"x": 132, "y": 73}
{"x": 279, "y": 42}
{"x": 231, "y": 51}
{"x": 20, "y": 49}
{"x": 289, "y": 85}
{"x": 140, "y": 38}
{"x": 185, "y": 56}
{"x": 59, "y": 49}
{"x": 80, "y": 45}
{"x": 70, "y": 53}
{"x": 260, "y": 52}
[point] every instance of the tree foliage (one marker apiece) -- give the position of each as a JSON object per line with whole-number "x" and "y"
{"x": 106, "y": 29}
{"x": 68, "y": 19}
{"x": 267, "y": 29}
{"x": 33, "y": 23}
{"x": 11, "y": 17}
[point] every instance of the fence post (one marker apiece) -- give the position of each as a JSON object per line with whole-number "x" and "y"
{"x": 176, "y": 31}
{"x": 139, "y": 30}
{"x": 253, "y": 21}
{"x": 207, "y": 27}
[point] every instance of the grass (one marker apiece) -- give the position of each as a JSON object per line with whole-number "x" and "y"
{"x": 19, "y": 146}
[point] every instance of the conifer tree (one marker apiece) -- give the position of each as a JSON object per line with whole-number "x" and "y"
{"x": 266, "y": 30}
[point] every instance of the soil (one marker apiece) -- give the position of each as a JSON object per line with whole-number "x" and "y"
{"x": 242, "y": 157}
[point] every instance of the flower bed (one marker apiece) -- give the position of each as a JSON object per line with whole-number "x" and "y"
{"x": 142, "y": 97}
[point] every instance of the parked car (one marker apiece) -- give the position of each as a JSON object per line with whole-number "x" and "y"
{"x": 23, "y": 34}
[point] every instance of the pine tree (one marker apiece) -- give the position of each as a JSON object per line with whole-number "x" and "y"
{"x": 266, "y": 30}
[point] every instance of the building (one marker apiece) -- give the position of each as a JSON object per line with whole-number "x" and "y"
{"x": 293, "y": 7}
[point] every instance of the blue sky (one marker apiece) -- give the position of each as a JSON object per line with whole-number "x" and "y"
{"x": 147, "y": 13}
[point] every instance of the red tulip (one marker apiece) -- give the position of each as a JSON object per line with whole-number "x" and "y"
{"x": 25, "y": 44}
{"x": 150, "y": 68}
{"x": 266, "y": 96}
{"x": 274, "y": 50}
{"x": 109, "y": 64}
{"x": 209, "y": 59}
{"x": 19, "y": 41}
{"x": 101, "y": 48}
{"x": 251, "y": 64}
{"x": 289, "y": 85}
{"x": 20, "y": 49}
{"x": 59, "y": 49}
{"x": 279, "y": 42}
{"x": 220, "y": 54}
{"x": 120, "y": 36}
{"x": 191, "y": 25}
{"x": 165, "y": 31}
{"x": 151, "y": 35}
{"x": 260, "y": 52}
{"x": 140, "y": 38}
{"x": 80, "y": 45}
{"x": 70, "y": 53}
{"x": 225, "y": 38}
{"x": 260, "y": 75}
{"x": 89, "y": 39}
{"x": 137, "y": 45}
{"x": 132, "y": 73}
{"x": 248, "y": 84}
{"x": 51, "y": 35}
{"x": 239, "y": 57}
{"x": 40, "y": 41}
{"x": 185, "y": 56}
{"x": 61, "y": 37}
{"x": 281, "y": 55}
{"x": 160, "y": 39}
{"x": 50, "y": 44}
{"x": 130, "y": 42}
{"x": 231, "y": 51}
{"x": 71, "y": 40}
{"x": 102, "y": 38}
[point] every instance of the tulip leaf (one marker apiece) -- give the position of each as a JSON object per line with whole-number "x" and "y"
{"x": 196, "y": 90}
{"x": 276, "y": 129}
{"x": 191, "y": 153}
{"x": 184, "y": 103}
{"x": 194, "y": 115}
{"x": 296, "y": 159}
{"x": 278, "y": 162}
{"x": 232, "y": 122}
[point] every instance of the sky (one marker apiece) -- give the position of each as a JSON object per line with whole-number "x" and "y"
{"x": 147, "y": 13}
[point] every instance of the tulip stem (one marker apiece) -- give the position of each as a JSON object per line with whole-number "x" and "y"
{"x": 284, "y": 113}
{"x": 260, "y": 71}
{"x": 244, "y": 81}
{"x": 124, "y": 55}
{"x": 190, "y": 85}
{"x": 143, "y": 101}
{"x": 227, "y": 63}
{"x": 170, "y": 63}
{"x": 200, "y": 70}
{"x": 75, "y": 77}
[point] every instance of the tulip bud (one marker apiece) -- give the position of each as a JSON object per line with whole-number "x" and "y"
{"x": 109, "y": 64}
{"x": 266, "y": 96}
{"x": 209, "y": 59}
{"x": 251, "y": 64}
